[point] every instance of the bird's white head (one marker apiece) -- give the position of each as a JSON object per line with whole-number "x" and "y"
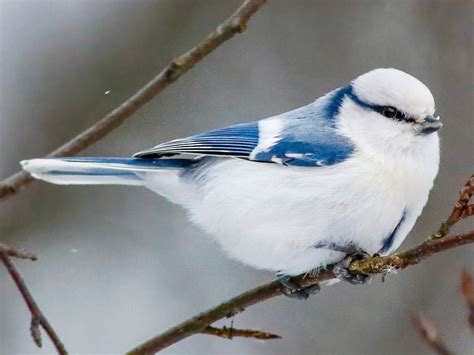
{"x": 387, "y": 107}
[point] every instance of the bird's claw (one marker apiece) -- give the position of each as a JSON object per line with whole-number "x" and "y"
{"x": 341, "y": 269}
{"x": 292, "y": 290}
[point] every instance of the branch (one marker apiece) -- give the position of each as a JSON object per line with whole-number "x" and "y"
{"x": 467, "y": 290}
{"x": 430, "y": 334}
{"x": 383, "y": 264}
{"x": 238, "y": 304}
{"x": 229, "y": 333}
{"x": 369, "y": 266}
{"x": 16, "y": 252}
{"x": 237, "y": 23}
{"x": 37, "y": 317}
{"x": 462, "y": 209}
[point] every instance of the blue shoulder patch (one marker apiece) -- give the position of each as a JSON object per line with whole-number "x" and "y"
{"x": 291, "y": 152}
{"x": 313, "y": 139}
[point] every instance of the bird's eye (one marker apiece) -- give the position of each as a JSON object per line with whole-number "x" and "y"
{"x": 389, "y": 111}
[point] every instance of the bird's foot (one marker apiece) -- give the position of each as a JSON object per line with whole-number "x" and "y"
{"x": 290, "y": 289}
{"x": 341, "y": 269}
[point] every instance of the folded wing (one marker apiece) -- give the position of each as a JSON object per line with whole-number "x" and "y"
{"x": 307, "y": 136}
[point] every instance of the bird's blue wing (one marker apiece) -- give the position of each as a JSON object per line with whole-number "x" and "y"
{"x": 307, "y": 136}
{"x": 236, "y": 141}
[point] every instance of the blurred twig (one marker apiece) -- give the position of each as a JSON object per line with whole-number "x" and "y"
{"x": 429, "y": 333}
{"x": 428, "y": 330}
{"x": 373, "y": 265}
{"x": 467, "y": 290}
{"x": 37, "y": 317}
{"x": 236, "y": 23}
{"x": 16, "y": 252}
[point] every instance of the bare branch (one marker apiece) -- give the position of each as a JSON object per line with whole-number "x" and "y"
{"x": 229, "y": 333}
{"x": 37, "y": 317}
{"x": 381, "y": 264}
{"x": 430, "y": 334}
{"x": 237, "y": 23}
{"x": 461, "y": 209}
{"x": 467, "y": 290}
{"x": 238, "y": 304}
{"x": 17, "y": 252}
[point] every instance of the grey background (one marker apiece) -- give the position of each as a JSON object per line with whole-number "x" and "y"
{"x": 117, "y": 264}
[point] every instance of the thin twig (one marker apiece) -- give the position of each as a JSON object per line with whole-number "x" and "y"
{"x": 369, "y": 266}
{"x": 430, "y": 334}
{"x": 467, "y": 290}
{"x": 37, "y": 317}
{"x": 229, "y": 333}
{"x": 237, "y": 23}
{"x": 462, "y": 209}
{"x": 17, "y": 252}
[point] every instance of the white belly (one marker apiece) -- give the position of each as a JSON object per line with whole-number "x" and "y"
{"x": 270, "y": 216}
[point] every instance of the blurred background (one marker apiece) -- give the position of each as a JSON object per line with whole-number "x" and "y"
{"x": 119, "y": 264}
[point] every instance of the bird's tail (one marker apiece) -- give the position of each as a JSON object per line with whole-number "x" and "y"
{"x": 98, "y": 170}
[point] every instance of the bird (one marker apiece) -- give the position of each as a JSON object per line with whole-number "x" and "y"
{"x": 345, "y": 175}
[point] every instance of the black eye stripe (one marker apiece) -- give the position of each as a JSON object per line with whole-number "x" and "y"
{"x": 393, "y": 113}
{"x": 387, "y": 111}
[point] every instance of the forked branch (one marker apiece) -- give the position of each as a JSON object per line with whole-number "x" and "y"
{"x": 38, "y": 319}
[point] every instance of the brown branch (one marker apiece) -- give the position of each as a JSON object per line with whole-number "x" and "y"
{"x": 467, "y": 290}
{"x": 383, "y": 264}
{"x": 237, "y": 304}
{"x": 16, "y": 252}
{"x": 461, "y": 209}
{"x": 236, "y": 23}
{"x": 37, "y": 317}
{"x": 229, "y": 333}
{"x": 430, "y": 334}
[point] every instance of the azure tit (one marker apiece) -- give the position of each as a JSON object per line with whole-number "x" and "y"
{"x": 348, "y": 173}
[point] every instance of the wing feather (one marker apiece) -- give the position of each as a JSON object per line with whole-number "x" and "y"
{"x": 239, "y": 141}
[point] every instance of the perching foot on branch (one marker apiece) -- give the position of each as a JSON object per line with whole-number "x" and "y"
{"x": 341, "y": 269}
{"x": 292, "y": 290}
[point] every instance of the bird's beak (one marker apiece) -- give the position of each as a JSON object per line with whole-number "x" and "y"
{"x": 430, "y": 125}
